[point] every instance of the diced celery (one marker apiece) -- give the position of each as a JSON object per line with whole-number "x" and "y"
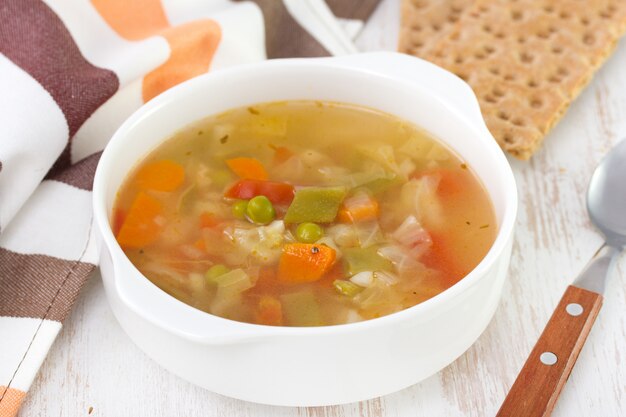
{"x": 211, "y": 276}
{"x": 301, "y": 309}
{"x": 347, "y": 288}
{"x": 381, "y": 185}
{"x": 232, "y": 283}
{"x": 315, "y": 205}
{"x": 365, "y": 259}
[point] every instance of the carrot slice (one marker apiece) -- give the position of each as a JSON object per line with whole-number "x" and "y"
{"x": 200, "y": 244}
{"x": 302, "y": 262}
{"x": 119, "y": 216}
{"x": 358, "y": 209}
{"x": 281, "y": 154}
{"x": 247, "y": 168}
{"x": 267, "y": 281}
{"x": 270, "y": 311}
{"x": 139, "y": 228}
{"x": 277, "y": 192}
{"x": 208, "y": 220}
{"x": 334, "y": 273}
{"x": 164, "y": 175}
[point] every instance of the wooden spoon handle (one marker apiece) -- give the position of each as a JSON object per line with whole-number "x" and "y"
{"x": 539, "y": 383}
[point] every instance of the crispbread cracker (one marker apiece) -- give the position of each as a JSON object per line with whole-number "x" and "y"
{"x": 425, "y": 22}
{"x": 528, "y": 59}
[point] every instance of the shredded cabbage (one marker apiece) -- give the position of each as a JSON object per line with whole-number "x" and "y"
{"x": 413, "y": 236}
{"x": 419, "y": 198}
{"x": 263, "y": 243}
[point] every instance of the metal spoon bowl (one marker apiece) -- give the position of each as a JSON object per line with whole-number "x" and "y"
{"x": 606, "y": 196}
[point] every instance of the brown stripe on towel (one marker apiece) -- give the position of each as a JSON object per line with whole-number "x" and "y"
{"x": 353, "y": 9}
{"x": 77, "y": 86}
{"x": 80, "y": 174}
{"x": 284, "y": 37}
{"x": 39, "y": 286}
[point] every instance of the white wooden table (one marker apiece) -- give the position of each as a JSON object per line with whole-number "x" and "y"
{"x": 94, "y": 364}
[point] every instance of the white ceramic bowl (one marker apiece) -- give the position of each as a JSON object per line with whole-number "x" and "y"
{"x": 299, "y": 366}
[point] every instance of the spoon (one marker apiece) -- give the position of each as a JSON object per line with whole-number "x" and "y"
{"x": 539, "y": 383}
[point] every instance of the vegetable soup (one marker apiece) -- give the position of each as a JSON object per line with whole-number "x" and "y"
{"x": 303, "y": 213}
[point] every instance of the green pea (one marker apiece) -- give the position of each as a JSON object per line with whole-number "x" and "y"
{"x": 215, "y": 272}
{"x": 309, "y": 232}
{"x": 260, "y": 210}
{"x": 239, "y": 209}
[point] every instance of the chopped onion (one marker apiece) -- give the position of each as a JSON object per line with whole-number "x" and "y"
{"x": 401, "y": 257}
{"x": 353, "y": 316}
{"x": 328, "y": 241}
{"x": 191, "y": 252}
{"x": 292, "y": 169}
{"x": 364, "y": 279}
{"x": 386, "y": 277}
{"x": 413, "y": 236}
{"x": 343, "y": 235}
{"x": 419, "y": 197}
{"x": 263, "y": 243}
{"x": 371, "y": 296}
{"x": 196, "y": 282}
{"x": 359, "y": 199}
{"x": 368, "y": 233}
{"x": 331, "y": 173}
{"x": 407, "y": 167}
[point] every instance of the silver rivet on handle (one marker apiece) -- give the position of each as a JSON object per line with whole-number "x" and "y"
{"x": 548, "y": 358}
{"x": 574, "y": 309}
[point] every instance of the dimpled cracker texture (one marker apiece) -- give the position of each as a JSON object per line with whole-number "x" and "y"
{"x": 528, "y": 59}
{"x": 426, "y": 22}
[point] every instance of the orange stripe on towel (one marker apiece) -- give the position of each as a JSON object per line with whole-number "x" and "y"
{"x": 10, "y": 403}
{"x": 192, "y": 44}
{"x": 133, "y": 20}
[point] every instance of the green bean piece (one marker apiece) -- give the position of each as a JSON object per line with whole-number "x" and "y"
{"x": 309, "y": 232}
{"x": 315, "y": 204}
{"x": 215, "y": 272}
{"x": 347, "y": 288}
{"x": 301, "y": 309}
{"x": 365, "y": 259}
{"x": 239, "y": 209}
{"x": 260, "y": 210}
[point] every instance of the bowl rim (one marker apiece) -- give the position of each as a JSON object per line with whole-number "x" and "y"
{"x": 505, "y": 231}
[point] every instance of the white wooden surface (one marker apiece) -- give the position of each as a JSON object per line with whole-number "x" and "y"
{"x": 94, "y": 364}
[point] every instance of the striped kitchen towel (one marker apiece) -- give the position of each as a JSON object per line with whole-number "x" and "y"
{"x": 70, "y": 72}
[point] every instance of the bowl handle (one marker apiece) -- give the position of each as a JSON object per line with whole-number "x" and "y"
{"x": 424, "y": 75}
{"x": 160, "y": 309}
